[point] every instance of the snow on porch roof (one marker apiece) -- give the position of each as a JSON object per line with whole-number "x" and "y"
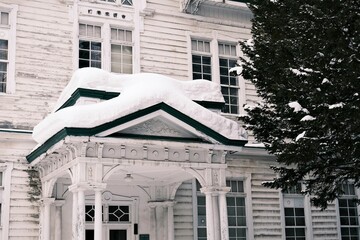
{"x": 139, "y": 93}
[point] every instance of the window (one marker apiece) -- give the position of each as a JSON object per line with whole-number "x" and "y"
{"x": 113, "y": 213}
{"x": 89, "y": 46}
{"x": 214, "y": 64}
{"x": 201, "y": 59}
{"x": 7, "y": 49}
{"x": 349, "y": 219}
{"x": 121, "y": 51}
{"x": 229, "y": 84}
{"x": 294, "y": 214}
{"x": 93, "y": 45}
{"x": 123, "y": 2}
{"x": 119, "y": 214}
{"x": 235, "y": 200}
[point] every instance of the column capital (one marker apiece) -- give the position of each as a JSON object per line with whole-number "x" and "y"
{"x": 47, "y": 200}
{"x": 215, "y": 190}
{"x": 59, "y": 202}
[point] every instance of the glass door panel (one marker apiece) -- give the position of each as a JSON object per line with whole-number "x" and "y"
{"x": 89, "y": 234}
{"x": 117, "y": 234}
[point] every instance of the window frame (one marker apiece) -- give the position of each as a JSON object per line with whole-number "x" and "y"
{"x": 214, "y": 40}
{"x": 348, "y": 197}
{"x": 106, "y": 43}
{"x": 9, "y": 33}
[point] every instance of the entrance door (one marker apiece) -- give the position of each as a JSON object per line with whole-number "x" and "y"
{"x": 117, "y": 234}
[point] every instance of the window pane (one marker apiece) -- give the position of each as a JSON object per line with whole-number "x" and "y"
{"x": 117, "y": 234}
{"x": 84, "y": 63}
{"x": 84, "y": 54}
{"x": 84, "y": 44}
{"x": 127, "y": 50}
{"x": 96, "y": 46}
{"x": 89, "y": 234}
{"x": 82, "y": 29}
{"x": 115, "y": 67}
{"x": 3, "y": 44}
{"x": 4, "y": 18}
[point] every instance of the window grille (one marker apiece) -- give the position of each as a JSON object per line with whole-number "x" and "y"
{"x": 201, "y": 59}
{"x": 294, "y": 213}
{"x": 229, "y": 84}
{"x": 89, "y": 46}
{"x": 4, "y": 61}
{"x": 349, "y": 218}
{"x": 121, "y": 51}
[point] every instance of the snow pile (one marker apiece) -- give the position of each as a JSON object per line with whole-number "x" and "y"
{"x": 138, "y": 91}
{"x": 307, "y": 118}
{"x": 337, "y": 105}
{"x": 296, "y": 106}
{"x": 301, "y": 135}
{"x": 236, "y": 70}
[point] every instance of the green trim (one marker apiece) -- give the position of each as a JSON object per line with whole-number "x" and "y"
{"x": 212, "y": 105}
{"x": 90, "y": 93}
{"x": 103, "y": 127}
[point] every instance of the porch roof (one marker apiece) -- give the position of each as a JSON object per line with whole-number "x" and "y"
{"x": 132, "y": 101}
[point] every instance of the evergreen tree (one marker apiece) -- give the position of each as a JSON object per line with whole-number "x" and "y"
{"x": 304, "y": 59}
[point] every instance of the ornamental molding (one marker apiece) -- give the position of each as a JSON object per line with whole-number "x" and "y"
{"x": 154, "y": 127}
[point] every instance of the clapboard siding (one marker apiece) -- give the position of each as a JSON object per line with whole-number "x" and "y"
{"x": 266, "y": 208}
{"x": 324, "y": 223}
{"x": 183, "y": 212}
{"x": 43, "y": 62}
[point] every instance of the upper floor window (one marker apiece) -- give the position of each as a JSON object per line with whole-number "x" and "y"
{"x": 123, "y": 2}
{"x": 7, "y": 49}
{"x": 4, "y": 18}
{"x": 349, "y": 218}
{"x": 213, "y": 62}
{"x": 93, "y": 48}
{"x": 89, "y": 46}
{"x": 201, "y": 59}
{"x": 229, "y": 84}
{"x": 121, "y": 51}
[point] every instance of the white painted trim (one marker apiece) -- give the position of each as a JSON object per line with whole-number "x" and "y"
{"x": 194, "y": 209}
{"x": 5, "y": 206}
{"x": 74, "y": 12}
{"x": 189, "y": 55}
{"x": 337, "y": 213}
{"x": 138, "y": 25}
{"x": 11, "y": 37}
{"x": 308, "y": 215}
{"x": 249, "y": 207}
{"x": 282, "y": 214}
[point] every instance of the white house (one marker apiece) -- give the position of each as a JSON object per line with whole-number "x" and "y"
{"x": 135, "y": 147}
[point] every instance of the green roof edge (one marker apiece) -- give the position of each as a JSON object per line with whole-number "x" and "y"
{"x": 103, "y": 127}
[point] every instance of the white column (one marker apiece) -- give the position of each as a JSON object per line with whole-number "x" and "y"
{"x": 46, "y": 224}
{"x": 81, "y": 214}
{"x": 153, "y": 224}
{"x": 216, "y": 215}
{"x": 224, "y": 227}
{"x": 58, "y": 219}
{"x": 74, "y": 215}
{"x": 171, "y": 235}
{"x": 210, "y": 228}
{"x": 98, "y": 215}
{"x": 160, "y": 222}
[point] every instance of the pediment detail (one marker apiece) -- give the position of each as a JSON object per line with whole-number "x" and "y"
{"x": 159, "y": 127}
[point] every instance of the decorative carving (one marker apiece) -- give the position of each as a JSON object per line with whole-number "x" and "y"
{"x": 153, "y": 127}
